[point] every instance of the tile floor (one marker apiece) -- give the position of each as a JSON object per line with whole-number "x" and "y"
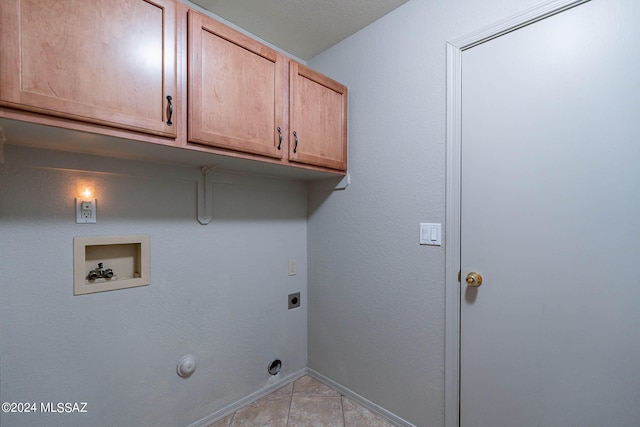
{"x": 305, "y": 402}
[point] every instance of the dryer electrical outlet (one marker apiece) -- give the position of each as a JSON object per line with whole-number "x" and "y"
{"x": 293, "y": 300}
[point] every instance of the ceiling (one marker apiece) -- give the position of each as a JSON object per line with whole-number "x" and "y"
{"x": 303, "y": 28}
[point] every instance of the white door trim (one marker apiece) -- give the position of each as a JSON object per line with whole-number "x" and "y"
{"x": 454, "y": 158}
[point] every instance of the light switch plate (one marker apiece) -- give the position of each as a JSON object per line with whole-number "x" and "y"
{"x": 430, "y": 234}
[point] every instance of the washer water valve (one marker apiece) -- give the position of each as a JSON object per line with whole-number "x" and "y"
{"x": 100, "y": 273}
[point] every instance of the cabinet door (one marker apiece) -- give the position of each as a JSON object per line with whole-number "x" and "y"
{"x": 318, "y": 116}
{"x": 236, "y": 90}
{"x": 106, "y": 62}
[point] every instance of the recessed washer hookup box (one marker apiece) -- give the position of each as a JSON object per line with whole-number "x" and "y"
{"x": 107, "y": 263}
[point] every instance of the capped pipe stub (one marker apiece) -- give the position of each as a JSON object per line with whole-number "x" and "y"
{"x": 186, "y": 366}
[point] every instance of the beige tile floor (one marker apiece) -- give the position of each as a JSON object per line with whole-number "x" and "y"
{"x": 304, "y": 403}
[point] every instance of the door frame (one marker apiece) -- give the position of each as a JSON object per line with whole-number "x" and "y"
{"x": 455, "y": 49}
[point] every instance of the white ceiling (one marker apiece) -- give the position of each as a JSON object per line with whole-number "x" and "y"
{"x": 303, "y": 28}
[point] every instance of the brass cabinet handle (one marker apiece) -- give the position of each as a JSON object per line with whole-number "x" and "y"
{"x": 474, "y": 279}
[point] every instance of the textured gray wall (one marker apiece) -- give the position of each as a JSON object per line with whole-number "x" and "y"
{"x": 217, "y": 291}
{"x": 376, "y": 297}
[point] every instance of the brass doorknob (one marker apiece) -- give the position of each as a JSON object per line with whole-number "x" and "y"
{"x": 474, "y": 279}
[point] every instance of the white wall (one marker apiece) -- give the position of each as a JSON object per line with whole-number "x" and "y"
{"x": 217, "y": 291}
{"x": 376, "y": 298}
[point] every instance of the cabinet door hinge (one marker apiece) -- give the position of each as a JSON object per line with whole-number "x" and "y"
{"x": 459, "y": 273}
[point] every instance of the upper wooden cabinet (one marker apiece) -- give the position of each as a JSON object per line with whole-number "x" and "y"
{"x": 246, "y": 97}
{"x": 235, "y": 90}
{"x": 159, "y": 72}
{"x": 318, "y": 119}
{"x": 106, "y": 62}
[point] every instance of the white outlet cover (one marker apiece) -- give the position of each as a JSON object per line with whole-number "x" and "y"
{"x": 84, "y": 215}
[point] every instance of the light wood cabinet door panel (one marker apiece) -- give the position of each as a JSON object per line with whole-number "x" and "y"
{"x": 111, "y": 63}
{"x": 318, "y": 116}
{"x": 235, "y": 90}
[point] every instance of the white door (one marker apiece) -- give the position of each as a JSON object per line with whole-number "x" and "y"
{"x": 550, "y": 217}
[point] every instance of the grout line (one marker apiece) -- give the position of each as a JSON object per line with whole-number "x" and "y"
{"x": 289, "y": 413}
{"x": 290, "y": 401}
